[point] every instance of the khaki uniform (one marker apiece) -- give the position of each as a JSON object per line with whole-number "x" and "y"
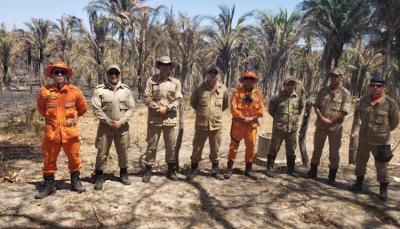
{"x": 330, "y": 103}
{"x": 285, "y": 111}
{"x": 166, "y": 93}
{"x": 112, "y": 105}
{"x": 375, "y": 122}
{"x": 209, "y": 106}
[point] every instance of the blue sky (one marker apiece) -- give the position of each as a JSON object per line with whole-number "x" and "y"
{"x": 17, "y": 12}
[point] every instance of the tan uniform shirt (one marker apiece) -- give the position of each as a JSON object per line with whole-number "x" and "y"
{"x": 376, "y": 121}
{"x": 209, "y": 106}
{"x": 166, "y": 93}
{"x": 285, "y": 111}
{"x": 332, "y": 103}
{"x": 113, "y": 104}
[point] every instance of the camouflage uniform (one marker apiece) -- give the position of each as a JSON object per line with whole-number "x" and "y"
{"x": 285, "y": 111}
{"x": 375, "y": 123}
{"x": 209, "y": 106}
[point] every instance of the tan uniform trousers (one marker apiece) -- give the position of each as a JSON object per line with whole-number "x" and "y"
{"x": 153, "y": 136}
{"x": 362, "y": 158}
{"x": 334, "y": 140}
{"x": 277, "y": 139}
{"x": 105, "y": 136}
{"x": 199, "y": 139}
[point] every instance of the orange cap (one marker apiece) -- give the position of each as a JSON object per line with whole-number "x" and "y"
{"x": 57, "y": 64}
{"x": 249, "y": 74}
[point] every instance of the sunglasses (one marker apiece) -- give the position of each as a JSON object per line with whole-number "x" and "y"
{"x": 248, "y": 78}
{"x": 290, "y": 83}
{"x": 374, "y": 85}
{"x": 116, "y": 73}
{"x": 59, "y": 72}
{"x": 334, "y": 76}
{"x": 213, "y": 72}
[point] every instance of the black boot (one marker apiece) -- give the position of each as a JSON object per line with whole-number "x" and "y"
{"x": 248, "y": 172}
{"x": 193, "y": 171}
{"x": 332, "y": 177}
{"x": 147, "y": 174}
{"x": 76, "y": 184}
{"x": 99, "y": 180}
{"x": 312, "y": 173}
{"x": 270, "y": 166}
{"x": 123, "y": 175}
{"x": 47, "y": 188}
{"x": 229, "y": 169}
{"x": 383, "y": 191}
{"x": 215, "y": 172}
{"x": 358, "y": 186}
{"x": 290, "y": 162}
{"x": 171, "y": 172}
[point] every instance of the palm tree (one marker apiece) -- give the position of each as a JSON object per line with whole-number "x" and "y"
{"x": 387, "y": 16}
{"x": 185, "y": 37}
{"x": 38, "y": 39}
{"x": 277, "y": 36}
{"x": 361, "y": 61}
{"x": 64, "y": 31}
{"x": 337, "y": 22}
{"x": 145, "y": 41}
{"x": 97, "y": 37}
{"x": 121, "y": 14}
{"x": 226, "y": 38}
{"x": 5, "y": 53}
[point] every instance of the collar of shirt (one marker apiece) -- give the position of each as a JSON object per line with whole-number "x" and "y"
{"x": 158, "y": 79}
{"x": 373, "y": 101}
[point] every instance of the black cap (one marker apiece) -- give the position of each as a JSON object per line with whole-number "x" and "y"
{"x": 377, "y": 79}
{"x": 213, "y": 69}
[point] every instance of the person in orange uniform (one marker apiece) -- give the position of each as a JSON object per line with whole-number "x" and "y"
{"x": 60, "y": 103}
{"x": 246, "y": 107}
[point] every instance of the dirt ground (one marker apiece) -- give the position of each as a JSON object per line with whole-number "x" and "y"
{"x": 282, "y": 202}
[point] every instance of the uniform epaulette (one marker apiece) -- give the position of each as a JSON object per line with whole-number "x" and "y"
{"x": 100, "y": 86}
{"x": 390, "y": 99}
{"x": 125, "y": 86}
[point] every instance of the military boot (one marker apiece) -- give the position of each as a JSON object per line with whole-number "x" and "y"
{"x": 248, "y": 172}
{"x": 76, "y": 184}
{"x": 332, "y": 177}
{"x": 47, "y": 188}
{"x": 291, "y": 162}
{"x": 171, "y": 172}
{"x": 215, "y": 172}
{"x": 99, "y": 180}
{"x": 229, "y": 169}
{"x": 123, "y": 175}
{"x": 147, "y": 174}
{"x": 358, "y": 186}
{"x": 270, "y": 166}
{"x": 312, "y": 173}
{"x": 383, "y": 191}
{"x": 193, "y": 171}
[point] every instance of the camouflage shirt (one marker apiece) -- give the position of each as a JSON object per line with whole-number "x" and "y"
{"x": 285, "y": 110}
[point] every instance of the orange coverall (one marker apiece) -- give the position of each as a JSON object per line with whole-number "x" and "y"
{"x": 61, "y": 109}
{"x": 239, "y": 130}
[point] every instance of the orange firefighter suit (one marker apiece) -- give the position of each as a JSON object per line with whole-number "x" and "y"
{"x": 61, "y": 109}
{"x": 245, "y": 104}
